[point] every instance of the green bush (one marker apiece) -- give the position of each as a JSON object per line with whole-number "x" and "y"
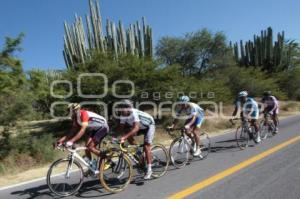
{"x": 289, "y": 82}
{"x": 42, "y": 150}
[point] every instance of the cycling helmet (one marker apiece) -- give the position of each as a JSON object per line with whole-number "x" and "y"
{"x": 184, "y": 98}
{"x": 74, "y": 106}
{"x": 267, "y": 93}
{"x": 126, "y": 103}
{"x": 243, "y": 94}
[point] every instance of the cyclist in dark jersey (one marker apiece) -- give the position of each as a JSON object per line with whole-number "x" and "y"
{"x": 271, "y": 107}
{"x": 84, "y": 121}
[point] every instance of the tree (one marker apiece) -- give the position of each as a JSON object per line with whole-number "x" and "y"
{"x": 15, "y": 99}
{"x": 195, "y": 52}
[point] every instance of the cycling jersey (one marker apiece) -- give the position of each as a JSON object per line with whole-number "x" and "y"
{"x": 147, "y": 124}
{"x": 136, "y": 115}
{"x": 250, "y": 108}
{"x": 94, "y": 120}
{"x": 271, "y": 104}
{"x": 193, "y": 110}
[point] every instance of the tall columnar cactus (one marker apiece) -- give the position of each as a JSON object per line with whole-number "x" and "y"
{"x": 262, "y": 51}
{"x": 79, "y": 42}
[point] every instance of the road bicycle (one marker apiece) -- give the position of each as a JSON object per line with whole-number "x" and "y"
{"x": 267, "y": 127}
{"x": 65, "y": 176}
{"x": 135, "y": 157}
{"x": 244, "y": 133}
{"x": 182, "y": 147}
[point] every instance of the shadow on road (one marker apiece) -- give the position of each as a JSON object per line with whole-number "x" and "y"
{"x": 89, "y": 189}
{"x": 225, "y": 146}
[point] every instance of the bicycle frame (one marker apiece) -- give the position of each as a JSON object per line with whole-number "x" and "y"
{"x": 73, "y": 154}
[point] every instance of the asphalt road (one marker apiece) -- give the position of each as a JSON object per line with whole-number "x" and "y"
{"x": 276, "y": 176}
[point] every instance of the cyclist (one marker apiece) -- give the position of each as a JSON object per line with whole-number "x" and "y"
{"x": 139, "y": 123}
{"x": 271, "y": 106}
{"x": 249, "y": 110}
{"x": 195, "y": 117}
{"x": 84, "y": 121}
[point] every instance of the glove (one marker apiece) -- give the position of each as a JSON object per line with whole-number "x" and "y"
{"x": 187, "y": 127}
{"x": 69, "y": 144}
{"x": 170, "y": 128}
{"x": 122, "y": 140}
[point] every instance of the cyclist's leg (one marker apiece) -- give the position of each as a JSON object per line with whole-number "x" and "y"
{"x": 254, "y": 123}
{"x": 196, "y": 133}
{"x": 148, "y": 139}
{"x": 87, "y": 151}
{"x": 98, "y": 136}
{"x": 276, "y": 122}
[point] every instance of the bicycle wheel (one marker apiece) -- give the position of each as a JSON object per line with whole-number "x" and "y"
{"x": 205, "y": 145}
{"x": 65, "y": 177}
{"x": 242, "y": 138}
{"x": 115, "y": 173}
{"x": 264, "y": 130}
{"x": 160, "y": 160}
{"x": 179, "y": 152}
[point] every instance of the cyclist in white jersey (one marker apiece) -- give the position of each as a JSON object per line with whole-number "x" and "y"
{"x": 86, "y": 122}
{"x": 195, "y": 117}
{"x": 271, "y": 107}
{"x": 139, "y": 123}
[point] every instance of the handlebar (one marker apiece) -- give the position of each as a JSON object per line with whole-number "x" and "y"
{"x": 72, "y": 148}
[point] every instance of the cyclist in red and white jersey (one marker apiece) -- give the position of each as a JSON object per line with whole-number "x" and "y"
{"x": 84, "y": 121}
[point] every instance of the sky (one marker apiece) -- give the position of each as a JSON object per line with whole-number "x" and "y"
{"x": 42, "y": 21}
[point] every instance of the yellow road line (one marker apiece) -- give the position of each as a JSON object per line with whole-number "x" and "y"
{"x": 211, "y": 180}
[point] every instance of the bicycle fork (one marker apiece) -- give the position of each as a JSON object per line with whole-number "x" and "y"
{"x": 69, "y": 168}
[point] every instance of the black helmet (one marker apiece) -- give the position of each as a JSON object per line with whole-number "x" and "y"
{"x": 267, "y": 93}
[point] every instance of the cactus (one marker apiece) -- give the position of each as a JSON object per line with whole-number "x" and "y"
{"x": 80, "y": 42}
{"x": 262, "y": 51}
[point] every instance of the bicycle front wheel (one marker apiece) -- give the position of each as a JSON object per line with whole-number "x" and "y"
{"x": 179, "y": 152}
{"x": 65, "y": 177}
{"x": 115, "y": 173}
{"x": 242, "y": 138}
{"x": 160, "y": 160}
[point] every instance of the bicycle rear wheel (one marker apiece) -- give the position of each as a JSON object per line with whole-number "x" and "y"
{"x": 179, "y": 152}
{"x": 65, "y": 177}
{"x": 266, "y": 129}
{"x": 205, "y": 145}
{"x": 242, "y": 138}
{"x": 160, "y": 160}
{"x": 115, "y": 173}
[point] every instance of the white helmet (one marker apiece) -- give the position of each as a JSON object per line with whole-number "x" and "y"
{"x": 243, "y": 94}
{"x": 184, "y": 98}
{"x": 74, "y": 106}
{"x": 126, "y": 103}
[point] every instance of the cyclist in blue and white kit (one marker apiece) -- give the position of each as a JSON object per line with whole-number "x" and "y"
{"x": 249, "y": 110}
{"x": 195, "y": 117}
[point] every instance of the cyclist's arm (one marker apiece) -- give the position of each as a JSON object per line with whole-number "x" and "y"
{"x": 192, "y": 121}
{"x": 235, "y": 111}
{"x": 135, "y": 128}
{"x": 64, "y": 138}
{"x": 174, "y": 123}
{"x": 80, "y": 132}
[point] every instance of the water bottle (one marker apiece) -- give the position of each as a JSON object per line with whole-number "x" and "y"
{"x": 94, "y": 164}
{"x": 139, "y": 152}
{"x": 86, "y": 159}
